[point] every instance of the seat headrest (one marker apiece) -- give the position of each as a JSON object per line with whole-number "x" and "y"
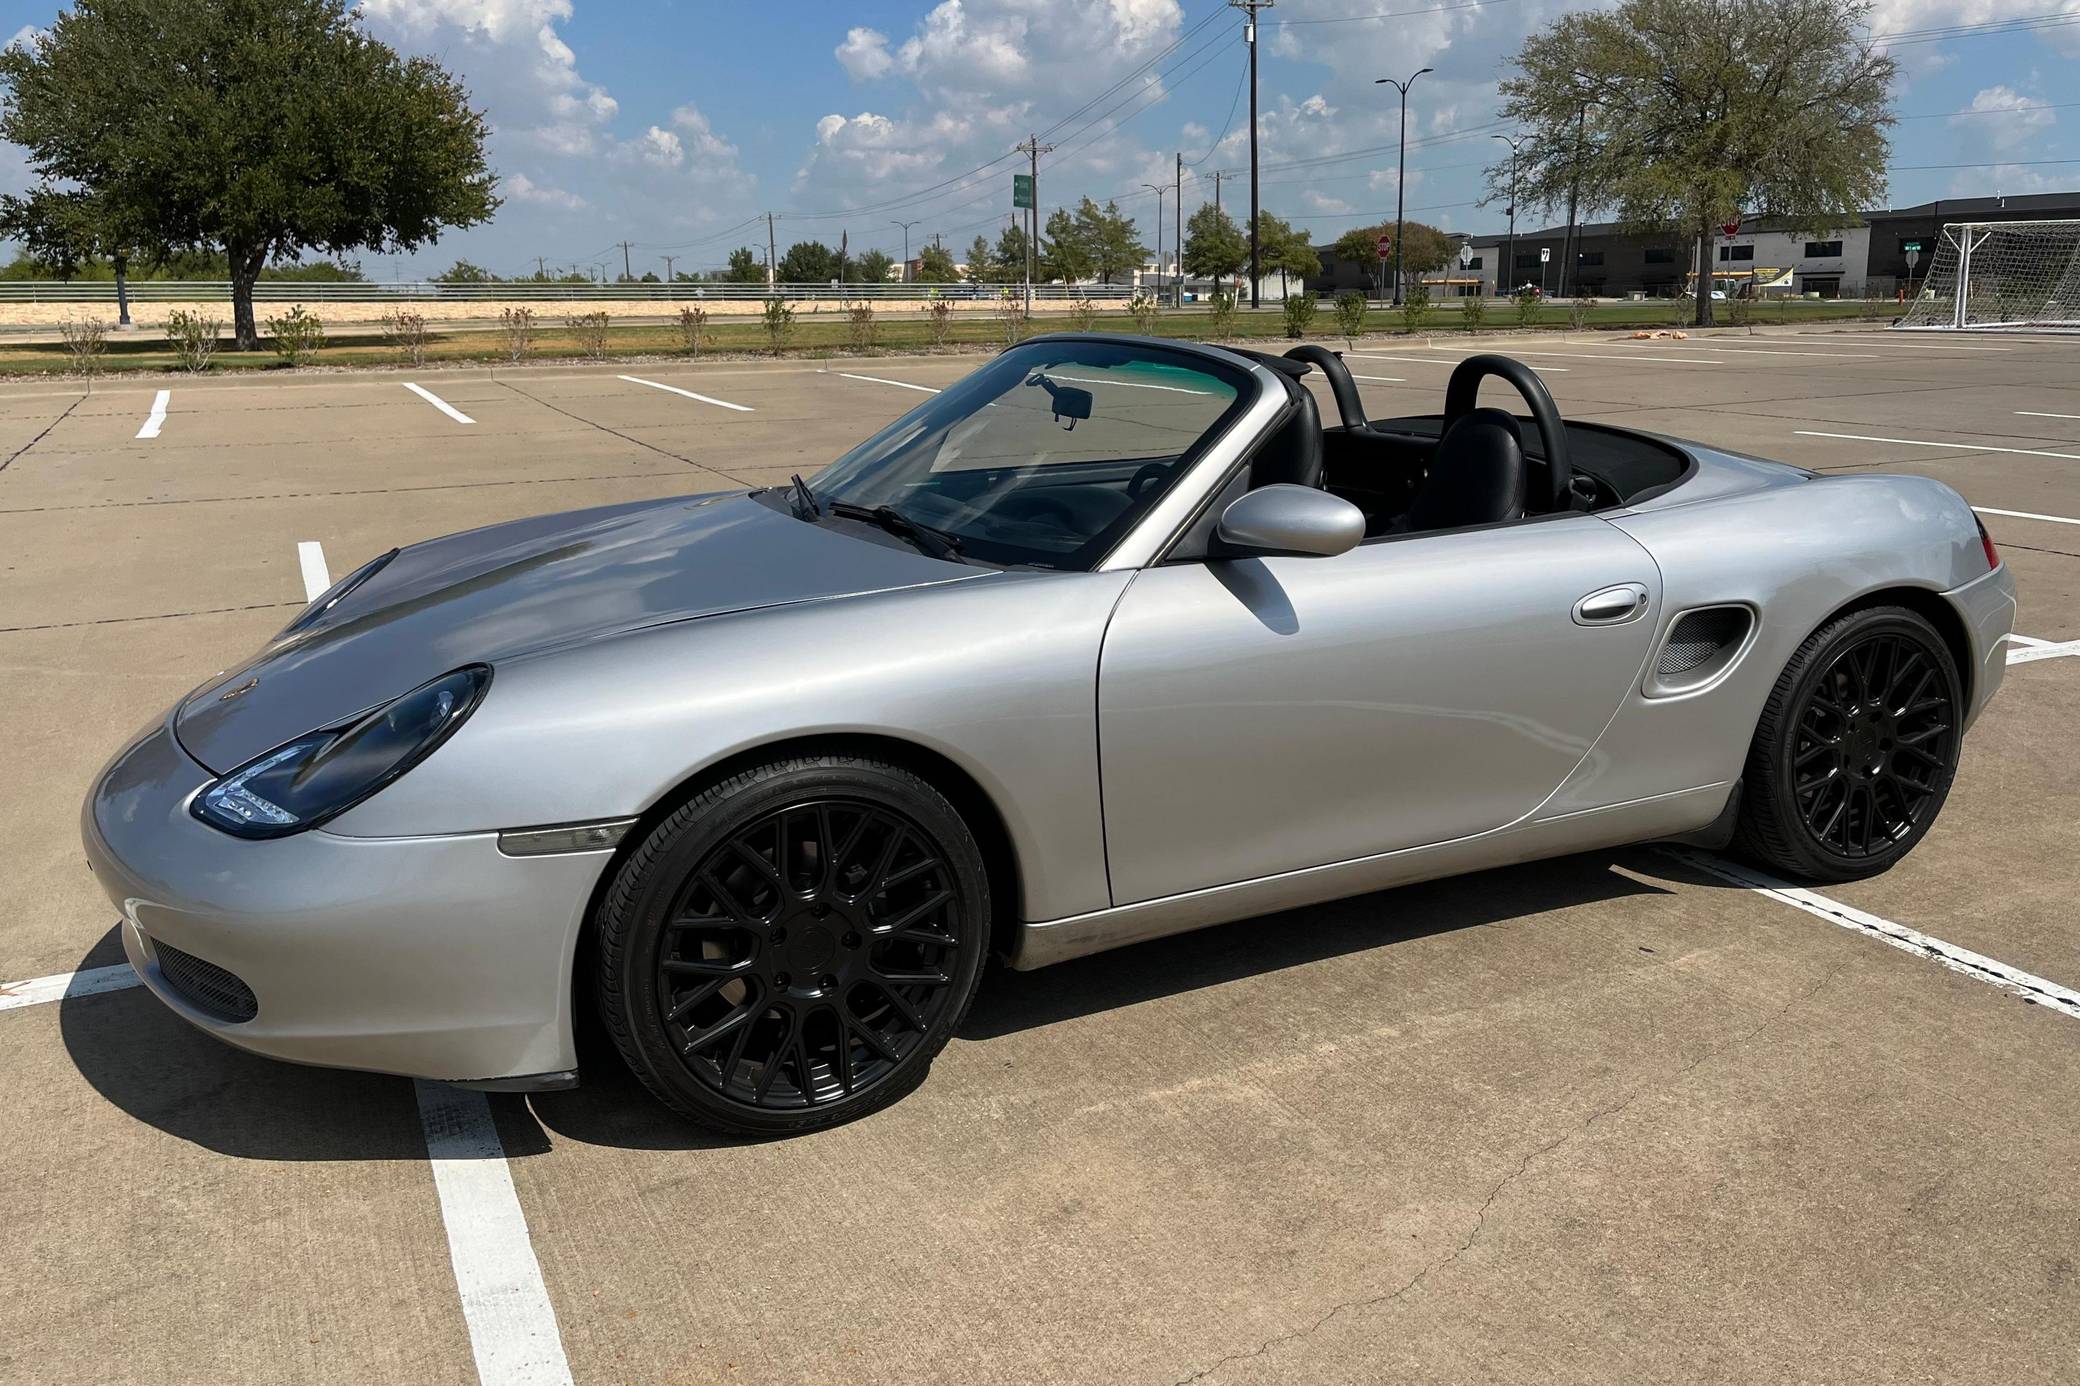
{"x": 1476, "y": 477}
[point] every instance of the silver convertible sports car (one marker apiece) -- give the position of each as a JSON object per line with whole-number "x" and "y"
{"x": 1112, "y": 639}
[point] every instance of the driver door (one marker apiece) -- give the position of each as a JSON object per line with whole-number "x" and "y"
{"x": 1265, "y": 715}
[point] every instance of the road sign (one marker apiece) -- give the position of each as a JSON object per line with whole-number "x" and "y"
{"x": 1386, "y": 245}
{"x": 1911, "y": 247}
{"x": 1022, "y": 190}
{"x": 1465, "y": 256}
{"x": 1732, "y": 228}
{"x": 1913, "y": 254}
{"x": 1545, "y": 255}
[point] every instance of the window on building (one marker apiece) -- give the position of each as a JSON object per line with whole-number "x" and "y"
{"x": 1591, "y": 257}
{"x": 1528, "y": 261}
{"x": 1475, "y": 262}
{"x": 1661, "y": 255}
{"x": 1736, "y": 252}
{"x": 1823, "y": 250}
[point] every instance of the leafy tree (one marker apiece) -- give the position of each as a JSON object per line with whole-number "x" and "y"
{"x": 1424, "y": 249}
{"x": 870, "y": 268}
{"x": 463, "y": 272}
{"x": 317, "y": 272}
{"x": 256, "y": 128}
{"x": 935, "y": 266}
{"x": 808, "y": 262}
{"x": 1113, "y": 241}
{"x": 1010, "y": 253}
{"x": 982, "y": 261}
{"x": 746, "y": 266}
{"x": 1679, "y": 114}
{"x": 1214, "y": 245}
{"x": 1282, "y": 251}
{"x": 1064, "y": 253}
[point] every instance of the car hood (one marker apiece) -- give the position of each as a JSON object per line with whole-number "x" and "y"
{"x": 527, "y": 586}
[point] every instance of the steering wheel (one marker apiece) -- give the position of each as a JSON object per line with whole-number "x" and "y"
{"x": 1341, "y": 385}
{"x": 1463, "y": 389}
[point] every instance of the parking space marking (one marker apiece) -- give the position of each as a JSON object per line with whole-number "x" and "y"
{"x": 1978, "y": 966}
{"x": 1435, "y": 361}
{"x": 1830, "y": 355}
{"x": 505, "y": 1304}
{"x": 1926, "y": 443}
{"x": 2029, "y": 654}
{"x": 2040, "y": 414}
{"x": 877, "y": 380}
{"x": 156, "y": 420}
{"x": 2012, "y": 638}
{"x": 674, "y": 389}
{"x": 1125, "y": 384}
{"x": 1629, "y": 355}
{"x": 92, "y": 981}
{"x": 437, "y": 402}
{"x": 2027, "y": 515}
{"x": 1380, "y": 379}
{"x": 310, "y": 557}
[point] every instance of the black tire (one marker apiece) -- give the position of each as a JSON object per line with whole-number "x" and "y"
{"x": 793, "y": 946}
{"x": 1856, "y": 748}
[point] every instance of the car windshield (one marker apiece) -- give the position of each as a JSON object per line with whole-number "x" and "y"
{"x": 1045, "y": 457}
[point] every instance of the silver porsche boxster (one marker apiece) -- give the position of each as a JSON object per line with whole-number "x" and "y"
{"x": 1112, "y": 639}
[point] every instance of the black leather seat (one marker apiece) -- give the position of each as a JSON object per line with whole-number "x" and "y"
{"x": 1293, "y": 455}
{"x": 1476, "y": 477}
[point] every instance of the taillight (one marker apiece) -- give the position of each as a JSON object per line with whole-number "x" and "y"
{"x": 1993, "y": 555}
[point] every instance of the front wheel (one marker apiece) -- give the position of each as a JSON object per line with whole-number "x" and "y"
{"x": 1856, "y": 748}
{"x": 791, "y": 948}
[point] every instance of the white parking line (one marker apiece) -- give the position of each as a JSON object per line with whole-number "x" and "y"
{"x": 155, "y": 420}
{"x": 674, "y": 389}
{"x": 2013, "y": 639}
{"x": 877, "y": 380}
{"x": 1629, "y": 355}
{"x": 2027, "y": 515}
{"x": 1978, "y": 966}
{"x": 1438, "y": 361}
{"x": 512, "y": 1325}
{"x": 437, "y": 402}
{"x": 2040, "y": 414}
{"x": 1380, "y": 379}
{"x": 310, "y": 557}
{"x": 2032, "y": 653}
{"x": 92, "y": 981}
{"x": 1925, "y": 443}
{"x": 1830, "y": 355}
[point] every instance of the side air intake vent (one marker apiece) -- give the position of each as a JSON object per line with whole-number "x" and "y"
{"x": 1700, "y": 646}
{"x": 205, "y": 986}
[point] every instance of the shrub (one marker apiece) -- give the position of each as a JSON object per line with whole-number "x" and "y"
{"x": 1299, "y": 312}
{"x": 590, "y": 332}
{"x": 516, "y": 332}
{"x": 1578, "y": 311}
{"x": 1529, "y": 301}
{"x": 778, "y": 319}
{"x": 1350, "y": 314}
{"x": 407, "y": 332}
{"x": 1679, "y": 308}
{"x": 1011, "y": 311}
{"x": 693, "y": 329}
{"x": 1472, "y": 309}
{"x": 1083, "y": 314}
{"x": 1223, "y": 315}
{"x": 86, "y": 339}
{"x": 1740, "y": 312}
{"x": 859, "y": 325}
{"x": 938, "y": 319}
{"x": 1143, "y": 308}
{"x": 1415, "y": 306}
{"x": 193, "y": 337}
{"x": 296, "y": 335}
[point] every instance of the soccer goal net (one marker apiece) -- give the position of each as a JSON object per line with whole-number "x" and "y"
{"x": 2001, "y": 275}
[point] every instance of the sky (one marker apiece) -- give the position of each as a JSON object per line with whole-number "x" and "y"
{"x": 676, "y": 125}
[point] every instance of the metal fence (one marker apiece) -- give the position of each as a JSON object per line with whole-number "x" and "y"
{"x": 511, "y": 291}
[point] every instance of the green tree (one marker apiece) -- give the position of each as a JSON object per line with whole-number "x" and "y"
{"x": 982, "y": 262}
{"x": 1010, "y": 254}
{"x": 1112, "y": 239}
{"x": 1282, "y": 251}
{"x": 463, "y": 272}
{"x": 869, "y": 268}
{"x": 1064, "y": 255}
{"x": 1424, "y": 249}
{"x": 258, "y": 127}
{"x": 1680, "y": 114}
{"x": 808, "y": 262}
{"x": 935, "y": 266}
{"x": 1214, "y": 246}
{"x": 746, "y": 266}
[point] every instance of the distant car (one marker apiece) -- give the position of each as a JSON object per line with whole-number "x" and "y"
{"x": 1110, "y": 640}
{"x": 1719, "y": 294}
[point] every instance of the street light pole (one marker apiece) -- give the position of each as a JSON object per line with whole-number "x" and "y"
{"x": 1400, "y": 170}
{"x": 906, "y": 225}
{"x": 1158, "y": 189}
{"x": 1509, "y": 257}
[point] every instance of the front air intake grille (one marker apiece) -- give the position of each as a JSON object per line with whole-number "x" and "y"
{"x": 205, "y": 986}
{"x": 1700, "y": 635}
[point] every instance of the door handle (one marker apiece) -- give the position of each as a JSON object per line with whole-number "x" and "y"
{"x": 1611, "y": 606}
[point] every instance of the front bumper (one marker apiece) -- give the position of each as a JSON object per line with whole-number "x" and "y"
{"x": 1987, "y": 605}
{"x": 431, "y": 957}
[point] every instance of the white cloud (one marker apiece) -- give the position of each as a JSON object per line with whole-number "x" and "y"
{"x": 2007, "y": 179}
{"x": 23, "y": 37}
{"x": 865, "y": 55}
{"x": 520, "y": 188}
{"x": 2004, "y": 133}
{"x": 700, "y": 136}
{"x": 660, "y": 148}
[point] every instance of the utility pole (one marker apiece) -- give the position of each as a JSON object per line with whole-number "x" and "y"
{"x": 1033, "y": 149}
{"x": 626, "y": 272}
{"x": 541, "y": 267}
{"x": 1159, "y": 190}
{"x": 1177, "y": 211}
{"x": 1400, "y": 171}
{"x": 1574, "y": 188}
{"x": 1509, "y": 256}
{"x": 772, "y": 260}
{"x": 906, "y": 225}
{"x": 1249, "y": 36}
{"x": 668, "y": 267}
{"x": 1217, "y": 176}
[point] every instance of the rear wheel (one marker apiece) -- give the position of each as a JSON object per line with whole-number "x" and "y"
{"x": 1856, "y": 748}
{"x": 790, "y": 949}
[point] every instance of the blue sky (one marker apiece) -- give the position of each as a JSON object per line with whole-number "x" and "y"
{"x": 674, "y": 123}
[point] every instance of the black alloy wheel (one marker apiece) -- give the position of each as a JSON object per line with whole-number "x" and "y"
{"x": 1857, "y": 747}
{"x": 792, "y": 948}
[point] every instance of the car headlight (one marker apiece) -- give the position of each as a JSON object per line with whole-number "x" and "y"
{"x": 316, "y": 777}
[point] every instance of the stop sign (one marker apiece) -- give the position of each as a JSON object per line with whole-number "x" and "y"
{"x": 1386, "y": 245}
{"x": 1732, "y": 228}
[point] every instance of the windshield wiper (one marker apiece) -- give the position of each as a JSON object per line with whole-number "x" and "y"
{"x": 934, "y": 543}
{"x": 802, "y": 498}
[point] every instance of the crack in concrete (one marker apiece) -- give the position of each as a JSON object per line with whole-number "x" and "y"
{"x": 156, "y": 616}
{"x": 45, "y": 434}
{"x": 624, "y": 437}
{"x": 1480, "y": 1217}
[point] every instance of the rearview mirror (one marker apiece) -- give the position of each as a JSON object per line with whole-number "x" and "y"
{"x": 1071, "y": 403}
{"x": 1293, "y": 520}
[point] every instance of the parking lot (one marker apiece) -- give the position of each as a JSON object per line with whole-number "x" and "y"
{"x": 1628, "y": 1116}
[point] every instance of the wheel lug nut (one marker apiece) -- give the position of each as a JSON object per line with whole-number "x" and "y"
{"x": 820, "y": 911}
{"x": 830, "y": 983}
{"x": 851, "y": 940}
{"x": 780, "y": 979}
{"x": 779, "y": 935}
